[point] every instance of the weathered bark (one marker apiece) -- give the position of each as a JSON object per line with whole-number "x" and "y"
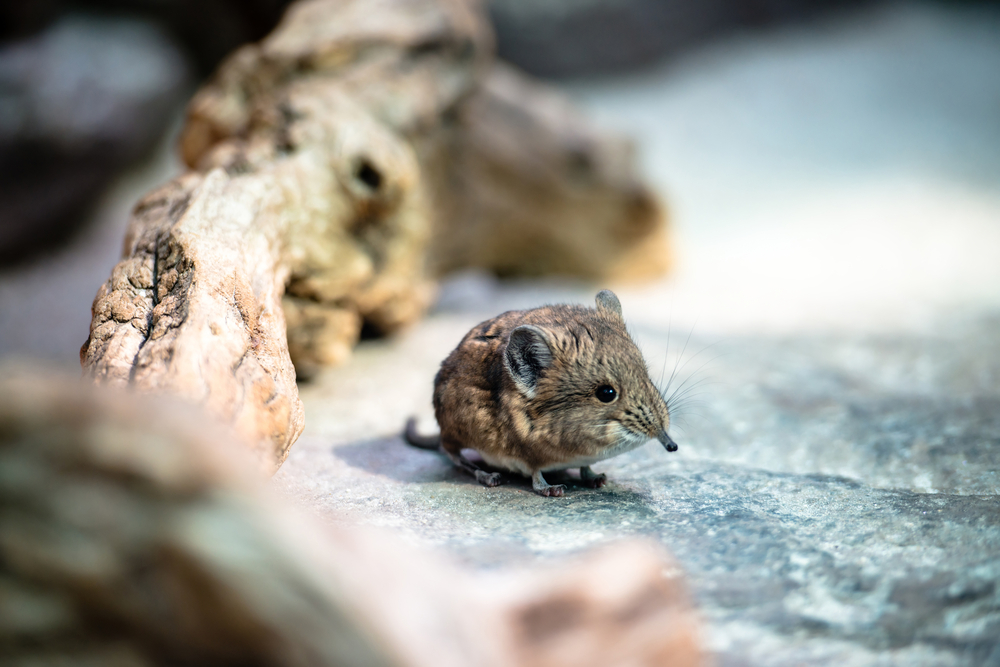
{"x": 135, "y": 532}
{"x": 324, "y": 160}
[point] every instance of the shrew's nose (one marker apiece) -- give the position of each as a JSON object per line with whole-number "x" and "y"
{"x": 667, "y": 441}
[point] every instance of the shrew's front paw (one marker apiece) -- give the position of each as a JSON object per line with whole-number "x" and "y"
{"x": 543, "y": 488}
{"x": 489, "y": 478}
{"x": 552, "y": 491}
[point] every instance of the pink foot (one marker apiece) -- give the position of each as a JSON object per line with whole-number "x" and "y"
{"x": 489, "y": 478}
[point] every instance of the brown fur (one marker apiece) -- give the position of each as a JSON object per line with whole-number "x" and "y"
{"x": 557, "y": 422}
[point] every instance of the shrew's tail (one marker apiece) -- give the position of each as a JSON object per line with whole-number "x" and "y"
{"x": 422, "y": 441}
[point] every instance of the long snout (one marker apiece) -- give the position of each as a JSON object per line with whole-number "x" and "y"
{"x": 667, "y": 442}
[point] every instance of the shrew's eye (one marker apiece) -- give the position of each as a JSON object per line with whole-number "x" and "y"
{"x": 605, "y": 393}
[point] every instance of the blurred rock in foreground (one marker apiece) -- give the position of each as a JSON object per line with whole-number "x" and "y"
{"x": 134, "y": 532}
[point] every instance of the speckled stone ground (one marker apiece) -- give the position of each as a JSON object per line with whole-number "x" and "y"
{"x": 836, "y": 307}
{"x": 822, "y": 515}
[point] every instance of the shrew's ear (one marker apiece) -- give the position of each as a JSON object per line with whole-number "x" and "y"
{"x": 609, "y": 305}
{"x": 526, "y": 355}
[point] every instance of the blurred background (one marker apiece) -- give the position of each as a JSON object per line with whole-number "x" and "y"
{"x": 732, "y": 103}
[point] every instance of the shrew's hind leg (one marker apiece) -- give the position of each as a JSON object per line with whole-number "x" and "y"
{"x": 592, "y": 479}
{"x": 543, "y": 488}
{"x": 454, "y": 452}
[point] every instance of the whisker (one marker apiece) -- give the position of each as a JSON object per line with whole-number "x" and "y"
{"x": 679, "y": 405}
{"x": 683, "y": 423}
{"x": 674, "y": 372}
{"x": 691, "y": 375}
{"x": 683, "y": 391}
{"x": 682, "y": 410}
{"x": 666, "y": 352}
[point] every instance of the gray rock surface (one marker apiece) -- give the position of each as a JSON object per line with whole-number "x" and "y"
{"x": 836, "y": 496}
{"x": 821, "y": 517}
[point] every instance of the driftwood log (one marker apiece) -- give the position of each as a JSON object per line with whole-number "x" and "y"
{"x": 134, "y": 532}
{"x": 335, "y": 168}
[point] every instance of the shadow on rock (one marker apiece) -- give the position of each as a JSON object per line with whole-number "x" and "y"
{"x": 393, "y": 458}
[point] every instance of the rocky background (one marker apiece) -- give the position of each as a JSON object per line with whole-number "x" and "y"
{"x": 835, "y": 312}
{"x": 87, "y": 87}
